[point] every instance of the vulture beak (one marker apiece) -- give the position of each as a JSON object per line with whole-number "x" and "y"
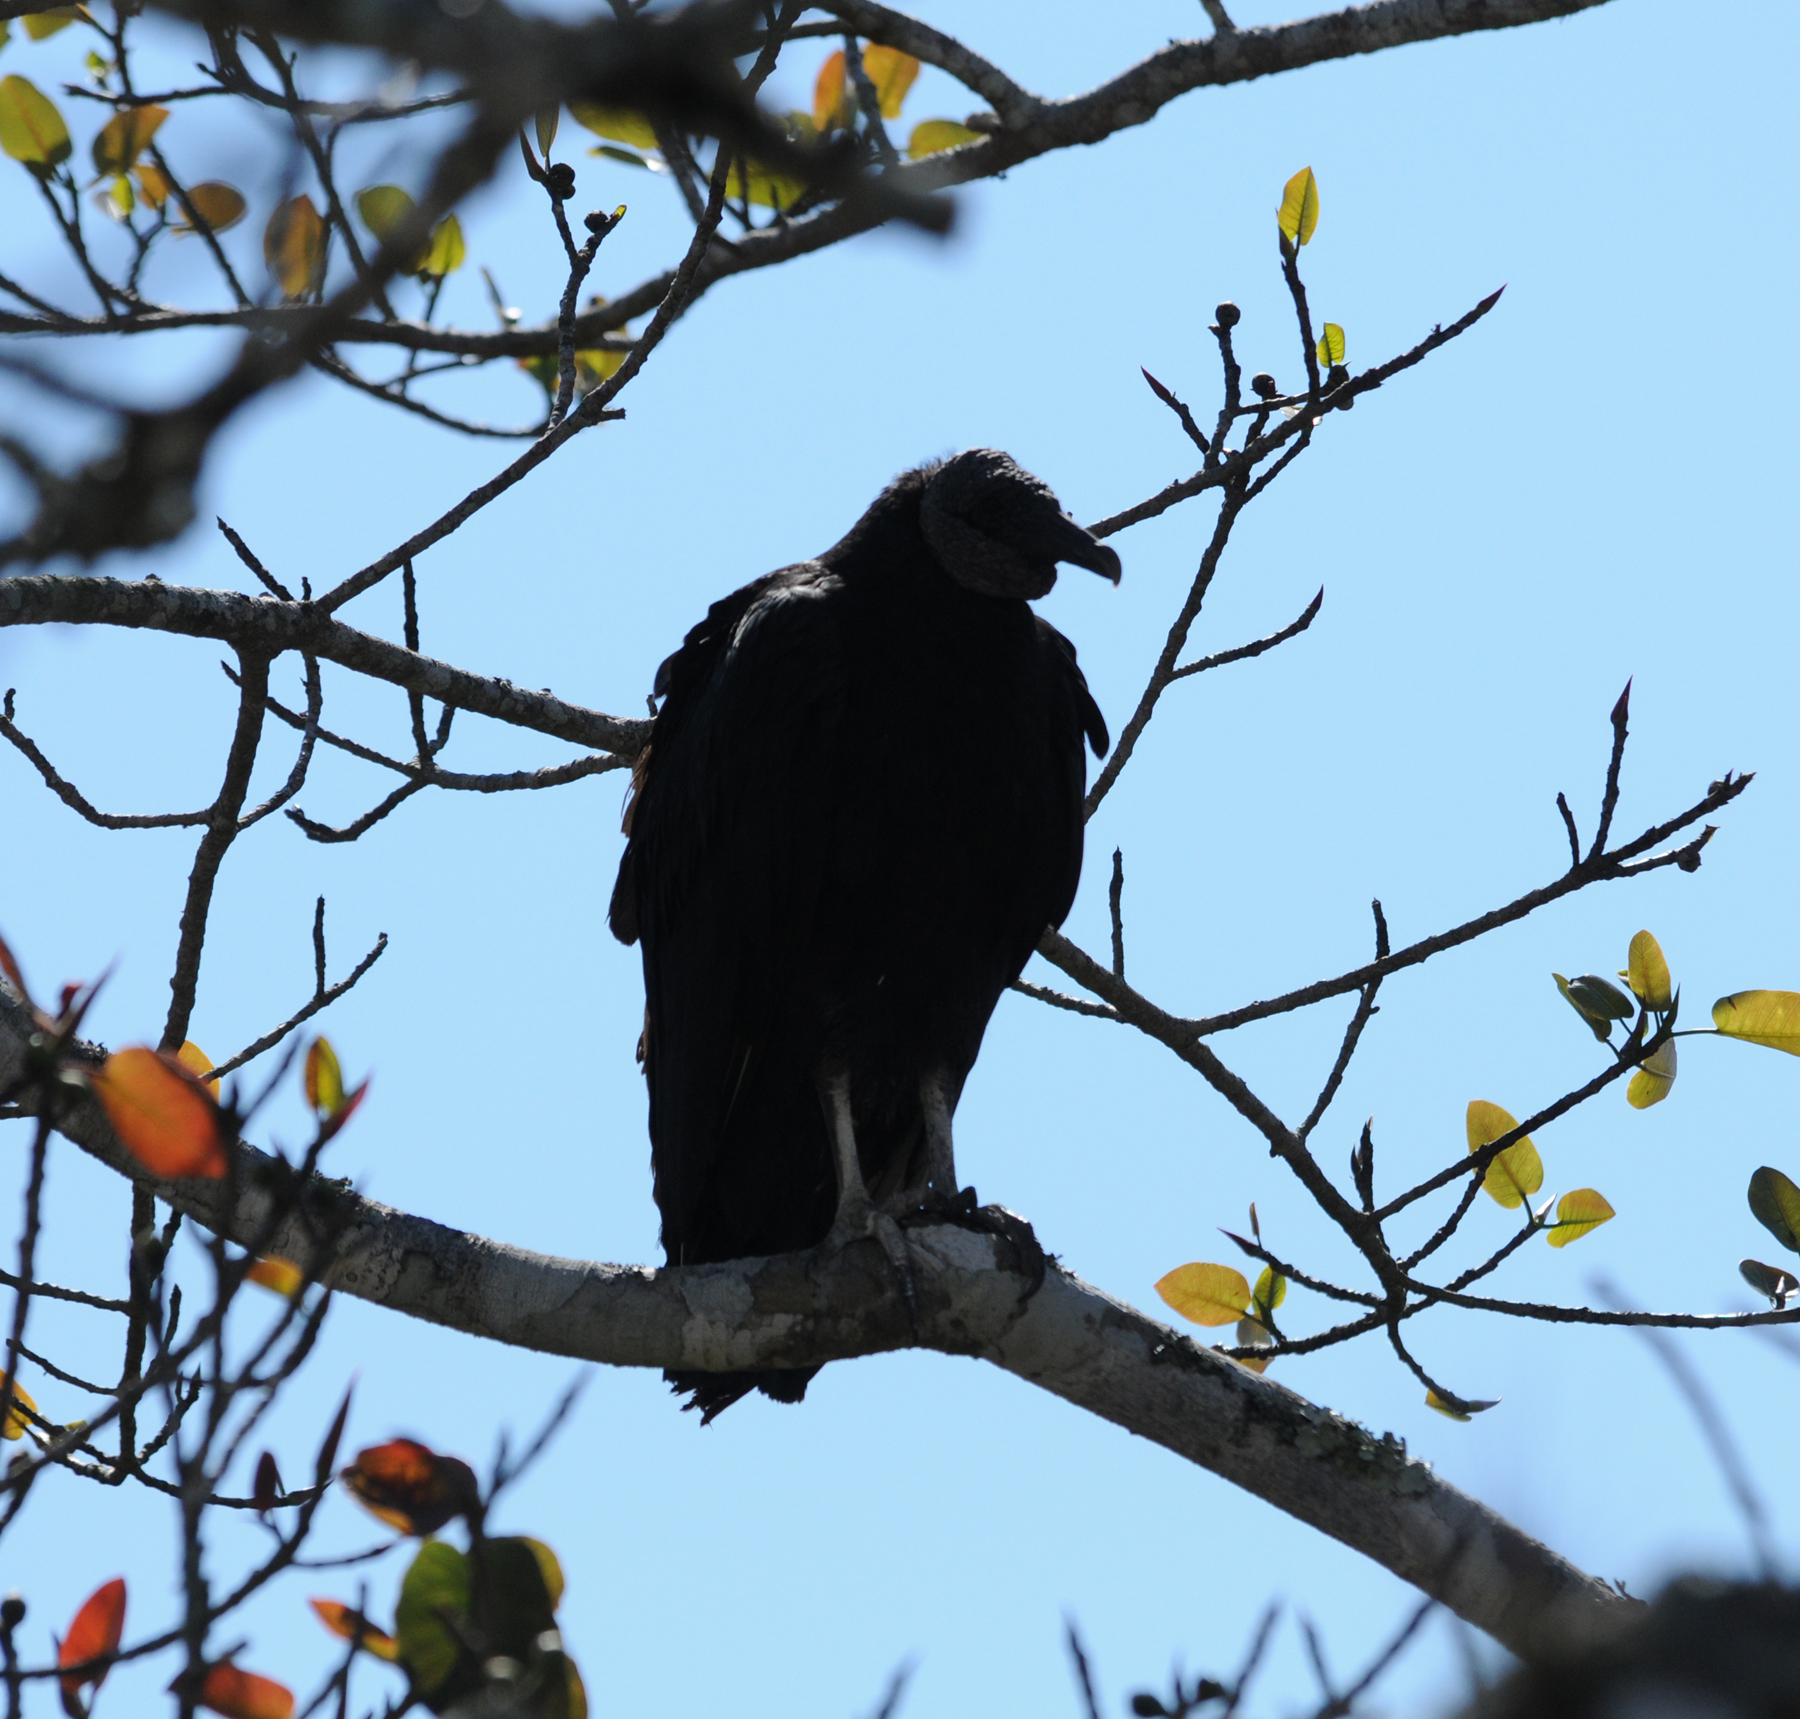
{"x": 1069, "y": 542}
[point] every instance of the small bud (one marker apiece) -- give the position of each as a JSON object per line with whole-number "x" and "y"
{"x": 1144, "y": 1704}
{"x": 1227, "y": 315}
{"x": 596, "y": 221}
{"x": 1264, "y": 384}
{"x": 12, "y": 1612}
{"x": 560, "y": 177}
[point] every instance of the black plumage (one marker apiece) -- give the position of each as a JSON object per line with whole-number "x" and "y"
{"x": 860, "y": 808}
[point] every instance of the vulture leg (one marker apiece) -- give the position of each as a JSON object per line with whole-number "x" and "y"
{"x": 857, "y": 1216}
{"x": 940, "y": 1145}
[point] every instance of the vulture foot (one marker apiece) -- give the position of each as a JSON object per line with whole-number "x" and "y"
{"x": 860, "y": 1220}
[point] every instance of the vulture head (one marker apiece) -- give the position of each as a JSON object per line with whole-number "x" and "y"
{"x": 998, "y": 530}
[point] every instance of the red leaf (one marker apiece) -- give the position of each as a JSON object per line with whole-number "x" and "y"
{"x": 346, "y": 1621}
{"x": 244, "y": 1695}
{"x": 93, "y": 1633}
{"x": 166, "y": 1118}
{"x": 410, "y": 1487}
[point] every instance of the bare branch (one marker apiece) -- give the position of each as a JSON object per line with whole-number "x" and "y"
{"x": 1241, "y": 653}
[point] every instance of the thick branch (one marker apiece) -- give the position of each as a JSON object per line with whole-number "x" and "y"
{"x": 974, "y": 1298}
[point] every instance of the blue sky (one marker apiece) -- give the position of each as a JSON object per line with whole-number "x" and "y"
{"x": 1594, "y": 484}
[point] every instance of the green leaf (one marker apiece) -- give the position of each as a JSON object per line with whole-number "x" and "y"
{"x": 445, "y": 254}
{"x": 1648, "y": 973}
{"x": 623, "y": 155}
{"x": 1577, "y": 1213}
{"x": 768, "y": 189}
{"x": 1655, "y": 1076}
{"x": 1270, "y": 1291}
{"x": 619, "y": 124}
{"x": 1515, "y": 1174}
{"x": 40, "y": 26}
{"x": 522, "y": 1603}
{"x": 383, "y": 208}
{"x": 1769, "y": 1018}
{"x": 548, "y": 119}
{"x": 124, "y": 138}
{"x": 1769, "y": 1280}
{"x": 1299, "y": 212}
{"x": 1206, "y": 1294}
{"x": 1775, "y": 1204}
{"x": 934, "y": 136}
{"x": 1331, "y": 345}
{"x": 436, "y": 1583}
{"x": 31, "y": 130}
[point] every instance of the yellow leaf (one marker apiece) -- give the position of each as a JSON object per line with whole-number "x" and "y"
{"x": 1206, "y": 1294}
{"x": 445, "y": 254}
{"x": 15, "y": 1421}
{"x": 383, "y": 208}
{"x": 829, "y": 104}
{"x": 41, "y": 25}
{"x": 117, "y": 199}
{"x": 125, "y": 137}
{"x": 31, "y": 130}
{"x": 294, "y": 247}
{"x": 892, "y": 74}
{"x": 198, "y": 1063}
{"x": 1466, "y": 1413}
{"x": 346, "y": 1621}
{"x": 1577, "y": 1213}
{"x": 1769, "y": 1018}
{"x": 1518, "y": 1172}
{"x": 217, "y": 204}
{"x": 323, "y": 1079}
{"x": 1655, "y": 1075}
{"x": 280, "y": 1275}
{"x": 1649, "y": 973}
{"x": 618, "y": 123}
{"x": 598, "y": 364}
{"x": 1271, "y": 1290}
{"x": 1299, "y": 212}
{"x": 1331, "y": 345}
{"x": 934, "y": 136}
{"x": 547, "y": 120}
{"x": 767, "y": 189}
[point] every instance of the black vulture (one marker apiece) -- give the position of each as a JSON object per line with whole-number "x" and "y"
{"x": 860, "y": 808}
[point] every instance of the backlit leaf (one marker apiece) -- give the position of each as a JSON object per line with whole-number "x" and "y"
{"x": 1655, "y": 1076}
{"x": 623, "y": 155}
{"x": 31, "y": 130}
{"x": 598, "y": 364}
{"x": 197, "y": 1063}
{"x": 1775, "y": 1204}
{"x": 620, "y": 124}
{"x": 162, "y": 1114}
{"x": 409, "y": 1486}
{"x": 551, "y": 1568}
{"x": 1649, "y": 973}
{"x": 1331, "y": 345}
{"x": 383, "y": 208}
{"x": 1206, "y": 1294}
{"x": 39, "y": 26}
{"x": 124, "y": 138}
{"x": 217, "y": 204}
{"x": 767, "y": 189}
{"x": 16, "y": 1423}
{"x": 294, "y": 247}
{"x": 323, "y": 1078}
{"x": 435, "y": 1586}
{"x": 348, "y": 1622}
{"x": 152, "y": 184}
{"x": 93, "y": 1631}
{"x": 934, "y": 136}
{"x": 1769, "y": 1280}
{"x": 892, "y": 73}
{"x": 280, "y": 1275}
{"x": 243, "y": 1695}
{"x": 1518, "y": 1172}
{"x": 547, "y": 121}
{"x": 445, "y": 253}
{"x": 1577, "y": 1213}
{"x": 1299, "y": 212}
{"x": 830, "y": 106}
{"x": 1769, "y": 1018}
{"x": 118, "y": 199}
{"x": 1270, "y": 1291}
{"x": 1467, "y": 1412}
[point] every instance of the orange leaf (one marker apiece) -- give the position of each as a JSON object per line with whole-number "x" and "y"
{"x": 346, "y": 1621}
{"x": 409, "y": 1486}
{"x": 244, "y": 1695}
{"x": 16, "y": 1422}
{"x": 163, "y": 1114}
{"x": 829, "y": 107}
{"x": 280, "y": 1275}
{"x": 93, "y": 1633}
